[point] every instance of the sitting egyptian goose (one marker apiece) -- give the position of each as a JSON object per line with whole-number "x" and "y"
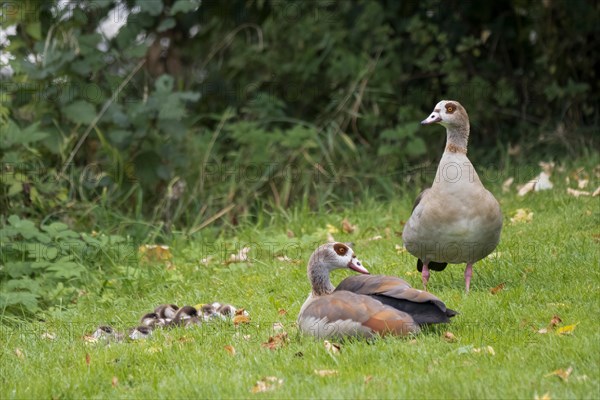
{"x": 364, "y": 305}
{"x": 456, "y": 220}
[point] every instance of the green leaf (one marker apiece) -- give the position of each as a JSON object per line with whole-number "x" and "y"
{"x": 152, "y": 7}
{"x": 416, "y": 147}
{"x": 59, "y": 230}
{"x": 166, "y": 25}
{"x": 66, "y": 270}
{"x": 80, "y": 112}
{"x": 164, "y": 84}
{"x": 184, "y": 6}
{"x": 34, "y": 29}
{"x": 12, "y": 134}
{"x": 26, "y": 299}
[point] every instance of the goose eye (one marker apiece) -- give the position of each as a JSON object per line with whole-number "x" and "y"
{"x": 450, "y": 109}
{"x": 340, "y": 249}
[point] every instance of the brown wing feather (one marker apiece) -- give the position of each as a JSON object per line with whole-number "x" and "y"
{"x": 387, "y": 322}
{"x": 343, "y": 306}
{"x": 424, "y": 307}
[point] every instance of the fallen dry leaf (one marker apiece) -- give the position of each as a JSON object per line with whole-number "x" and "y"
{"x": 526, "y": 188}
{"x": 521, "y": 215}
{"x": 241, "y": 256}
{"x": 155, "y": 252}
{"x": 400, "y": 249}
{"x": 582, "y": 183}
{"x": 566, "y": 330}
{"x": 267, "y": 384}
{"x": 376, "y": 237}
{"x": 154, "y": 349}
{"x": 449, "y": 337}
{"x": 326, "y": 372}
{"x": 498, "y": 288}
{"x": 115, "y": 381}
{"x": 561, "y": 373}
{"x": 347, "y": 226}
{"x": 276, "y": 342}
{"x": 48, "y": 336}
{"x": 543, "y": 182}
{"x": 507, "y": 184}
{"x": 331, "y": 229}
{"x": 547, "y": 166}
{"x": 542, "y": 331}
{"x": 545, "y": 396}
{"x": 230, "y": 349}
{"x": 238, "y": 335}
{"x": 19, "y": 353}
{"x": 241, "y": 319}
{"x": 290, "y": 234}
{"x": 90, "y": 339}
{"x": 88, "y": 359}
{"x": 539, "y": 183}
{"x": 596, "y": 192}
{"x": 277, "y": 326}
{"x": 282, "y": 311}
{"x": 486, "y": 349}
{"x": 332, "y": 348}
{"x": 368, "y": 378}
{"x": 577, "y": 193}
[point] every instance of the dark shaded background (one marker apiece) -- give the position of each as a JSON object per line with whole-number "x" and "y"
{"x": 236, "y": 106}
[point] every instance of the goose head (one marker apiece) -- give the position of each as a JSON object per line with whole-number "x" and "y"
{"x": 448, "y": 113}
{"x": 329, "y": 257}
{"x": 152, "y": 319}
{"x": 140, "y": 332}
{"x": 186, "y": 316}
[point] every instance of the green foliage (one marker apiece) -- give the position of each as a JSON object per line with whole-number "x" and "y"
{"x": 47, "y": 265}
{"x": 330, "y": 93}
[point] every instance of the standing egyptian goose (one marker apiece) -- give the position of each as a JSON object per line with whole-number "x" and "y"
{"x": 456, "y": 220}
{"x": 364, "y": 305}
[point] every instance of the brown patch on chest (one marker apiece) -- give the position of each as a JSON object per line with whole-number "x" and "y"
{"x": 452, "y": 148}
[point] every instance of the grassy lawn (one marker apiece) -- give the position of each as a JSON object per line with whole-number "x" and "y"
{"x": 549, "y": 266}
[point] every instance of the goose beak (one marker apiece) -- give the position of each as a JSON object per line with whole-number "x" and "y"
{"x": 356, "y": 265}
{"x": 432, "y": 119}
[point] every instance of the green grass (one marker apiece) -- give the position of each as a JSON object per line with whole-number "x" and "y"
{"x": 550, "y": 266}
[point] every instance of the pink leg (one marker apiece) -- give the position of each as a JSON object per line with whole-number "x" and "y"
{"x": 425, "y": 275}
{"x": 468, "y": 274}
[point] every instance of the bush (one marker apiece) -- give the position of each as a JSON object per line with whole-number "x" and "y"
{"x": 164, "y": 120}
